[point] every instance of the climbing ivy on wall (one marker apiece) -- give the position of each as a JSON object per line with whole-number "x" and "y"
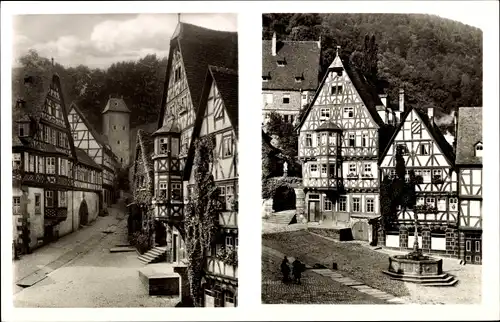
{"x": 202, "y": 215}
{"x": 269, "y": 186}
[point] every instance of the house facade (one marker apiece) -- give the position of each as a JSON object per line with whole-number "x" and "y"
{"x": 427, "y": 153}
{"x": 50, "y": 197}
{"x": 469, "y": 163}
{"x": 290, "y": 76}
{"x": 187, "y": 99}
{"x": 340, "y": 136}
{"x": 96, "y": 146}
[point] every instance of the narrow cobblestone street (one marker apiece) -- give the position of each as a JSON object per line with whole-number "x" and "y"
{"x": 81, "y": 272}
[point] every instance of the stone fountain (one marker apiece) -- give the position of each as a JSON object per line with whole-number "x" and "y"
{"x": 416, "y": 267}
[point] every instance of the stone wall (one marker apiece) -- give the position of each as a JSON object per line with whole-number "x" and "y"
{"x": 75, "y": 198}
{"x": 36, "y": 224}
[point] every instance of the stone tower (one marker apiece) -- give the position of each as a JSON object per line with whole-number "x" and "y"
{"x": 116, "y": 127}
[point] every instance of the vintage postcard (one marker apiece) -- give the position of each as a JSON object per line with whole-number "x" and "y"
{"x": 124, "y": 146}
{"x": 372, "y": 159}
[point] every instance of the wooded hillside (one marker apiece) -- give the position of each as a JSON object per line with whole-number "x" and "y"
{"x": 438, "y": 61}
{"x": 139, "y": 82}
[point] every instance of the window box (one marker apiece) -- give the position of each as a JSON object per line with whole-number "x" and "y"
{"x": 425, "y": 209}
{"x": 228, "y": 255}
{"x": 367, "y": 176}
{"x": 352, "y": 176}
{"x": 437, "y": 180}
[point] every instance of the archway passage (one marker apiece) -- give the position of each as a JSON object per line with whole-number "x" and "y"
{"x": 284, "y": 199}
{"x": 360, "y": 230}
{"x": 83, "y": 213}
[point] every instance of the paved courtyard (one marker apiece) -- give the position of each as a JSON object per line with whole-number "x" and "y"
{"x": 83, "y": 273}
{"x": 357, "y": 261}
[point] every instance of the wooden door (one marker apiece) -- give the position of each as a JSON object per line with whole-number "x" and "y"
{"x": 313, "y": 211}
{"x": 473, "y": 249}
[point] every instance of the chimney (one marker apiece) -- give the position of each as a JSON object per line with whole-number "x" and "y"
{"x": 383, "y": 99}
{"x": 274, "y": 44}
{"x": 401, "y": 100}
{"x": 430, "y": 114}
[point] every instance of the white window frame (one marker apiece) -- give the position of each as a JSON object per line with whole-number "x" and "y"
{"x": 343, "y": 204}
{"x": 162, "y": 187}
{"x": 441, "y": 203}
{"x": 352, "y": 168}
{"x": 227, "y": 146}
{"x": 352, "y": 137}
{"x": 309, "y": 140}
{"x": 49, "y": 195}
{"x": 50, "y": 167}
{"x": 348, "y": 112}
{"x": 16, "y": 205}
{"x": 367, "y": 168}
{"x": 325, "y": 114}
{"x": 356, "y": 204}
{"x": 370, "y": 205}
{"x": 62, "y": 199}
{"x": 229, "y": 242}
{"x": 364, "y": 140}
{"x": 425, "y": 146}
{"x": 327, "y": 204}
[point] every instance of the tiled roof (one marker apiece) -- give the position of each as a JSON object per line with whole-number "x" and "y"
{"x": 116, "y": 105}
{"x": 200, "y": 47}
{"x": 84, "y": 158}
{"x": 226, "y": 81}
{"x": 302, "y": 59}
{"x": 469, "y": 132}
{"x": 148, "y": 128}
{"x": 328, "y": 126}
{"x": 170, "y": 127}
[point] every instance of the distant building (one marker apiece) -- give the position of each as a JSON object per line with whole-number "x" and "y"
{"x": 290, "y": 76}
{"x": 97, "y": 148}
{"x": 116, "y": 127}
{"x": 56, "y": 187}
{"x": 469, "y": 162}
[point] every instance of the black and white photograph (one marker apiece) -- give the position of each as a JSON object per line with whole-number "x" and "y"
{"x": 124, "y": 156}
{"x": 372, "y": 154}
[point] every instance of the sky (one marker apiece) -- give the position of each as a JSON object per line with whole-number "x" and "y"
{"x": 98, "y": 40}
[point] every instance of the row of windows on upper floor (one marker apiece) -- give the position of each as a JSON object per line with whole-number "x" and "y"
{"x": 53, "y": 198}
{"x": 46, "y": 134}
{"x": 268, "y": 98}
{"x": 162, "y": 145}
{"x": 332, "y": 139}
{"x": 53, "y": 165}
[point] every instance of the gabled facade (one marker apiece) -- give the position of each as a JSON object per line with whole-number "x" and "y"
{"x": 218, "y": 116}
{"x": 184, "y": 107}
{"x": 48, "y": 200}
{"x": 290, "y": 76}
{"x": 85, "y": 137}
{"x": 469, "y": 163}
{"x": 430, "y": 156}
{"x": 340, "y": 136}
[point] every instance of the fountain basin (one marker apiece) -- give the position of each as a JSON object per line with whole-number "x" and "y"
{"x": 415, "y": 265}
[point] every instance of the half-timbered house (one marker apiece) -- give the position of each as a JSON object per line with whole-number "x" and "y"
{"x": 340, "y": 136}
{"x": 290, "y": 76}
{"x": 192, "y": 50}
{"x": 218, "y": 116}
{"x": 469, "y": 151}
{"x": 96, "y": 146}
{"x": 44, "y": 193}
{"x": 428, "y": 154}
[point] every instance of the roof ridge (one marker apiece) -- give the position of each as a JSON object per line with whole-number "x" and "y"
{"x": 205, "y": 28}
{"x": 223, "y": 69}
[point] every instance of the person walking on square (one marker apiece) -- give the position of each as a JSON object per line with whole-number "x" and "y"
{"x": 297, "y": 269}
{"x": 285, "y": 270}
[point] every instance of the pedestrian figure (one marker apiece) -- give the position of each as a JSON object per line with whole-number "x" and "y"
{"x": 297, "y": 268}
{"x": 285, "y": 270}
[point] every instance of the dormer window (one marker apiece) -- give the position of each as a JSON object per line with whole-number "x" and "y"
{"x": 286, "y": 98}
{"x": 299, "y": 79}
{"x": 266, "y": 78}
{"x": 479, "y": 149}
{"x": 24, "y": 129}
{"x": 281, "y": 63}
{"x": 177, "y": 74}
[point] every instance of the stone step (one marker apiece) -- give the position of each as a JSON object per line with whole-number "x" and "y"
{"x": 436, "y": 281}
{"x": 423, "y": 277}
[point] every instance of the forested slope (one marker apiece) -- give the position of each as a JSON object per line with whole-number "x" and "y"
{"x": 437, "y": 61}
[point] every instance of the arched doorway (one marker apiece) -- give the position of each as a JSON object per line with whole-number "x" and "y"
{"x": 360, "y": 230}
{"x": 284, "y": 199}
{"x": 83, "y": 213}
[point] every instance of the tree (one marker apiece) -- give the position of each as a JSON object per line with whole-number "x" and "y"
{"x": 201, "y": 216}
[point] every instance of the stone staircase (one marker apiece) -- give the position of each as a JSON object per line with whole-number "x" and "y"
{"x": 154, "y": 255}
{"x": 430, "y": 280}
{"x": 282, "y": 217}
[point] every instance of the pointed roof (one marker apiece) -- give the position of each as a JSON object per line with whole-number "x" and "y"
{"x": 170, "y": 127}
{"x": 226, "y": 81}
{"x": 200, "y": 47}
{"x": 101, "y": 139}
{"x": 302, "y": 60}
{"x": 116, "y": 105}
{"x": 469, "y": 133}
{"x": 145, "y": 143}
{"x": 366, "y": 90}
{"x": 434, "y": 131}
